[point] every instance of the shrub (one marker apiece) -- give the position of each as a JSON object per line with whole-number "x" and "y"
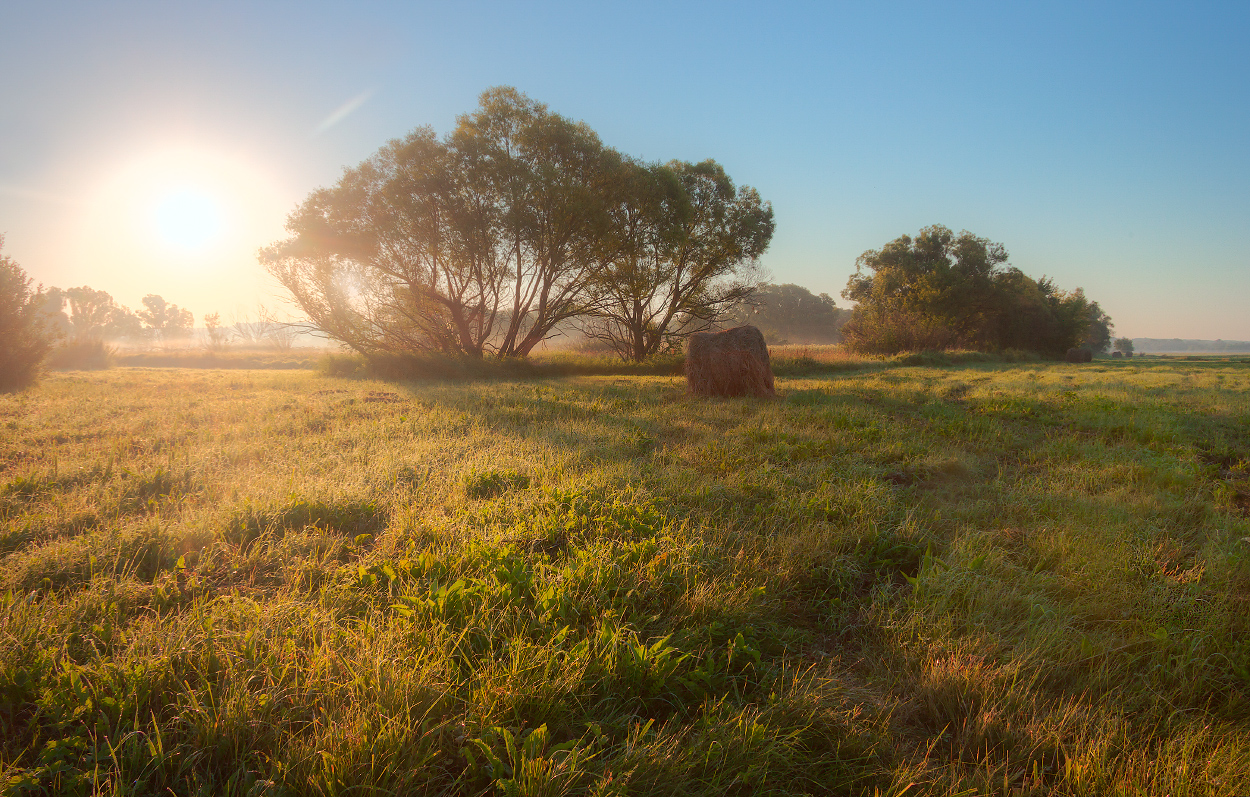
{"x": 24, "y": 336}
{"x": 891, "y": 333}
{"x": 940, "y": 290}
{"x": 81, "y": 355}
{"x": 341, "y": 365}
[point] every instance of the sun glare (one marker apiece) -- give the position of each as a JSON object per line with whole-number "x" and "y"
{"x": 188, "y": 218}
{"x": 181, "y": 221}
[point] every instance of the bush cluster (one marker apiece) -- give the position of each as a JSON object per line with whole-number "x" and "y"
{"x": 25, "y": 338}
{"x": 940, "y": 291}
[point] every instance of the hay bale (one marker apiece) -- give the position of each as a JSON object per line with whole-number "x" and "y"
{"x": 730, "y": 363}
{"x": 1081, "y": 355}
{"x": 1115, "y": 355}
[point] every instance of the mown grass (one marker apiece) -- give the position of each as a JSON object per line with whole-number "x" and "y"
{"x": 989, "y": 578}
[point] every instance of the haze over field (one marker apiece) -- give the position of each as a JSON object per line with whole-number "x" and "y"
{"x": 150, "y": 148}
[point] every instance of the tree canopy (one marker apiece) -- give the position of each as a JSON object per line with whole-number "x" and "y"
{"x": 677, "y": 254}
{"x": 485, "y": 240}
{"x": 940, "y": 290}
{"x": 92, "y": 314}
{"x": 164, "y": 320}
{"x": 1100, "y": 331}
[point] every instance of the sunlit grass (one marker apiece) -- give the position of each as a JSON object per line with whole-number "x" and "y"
{"x": 1027, "y": 578}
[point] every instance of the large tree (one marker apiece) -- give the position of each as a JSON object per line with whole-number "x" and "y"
{"x": 481, "y": 242}
{"x": 394, "y": 258}
{"x": 677, "y": 254}
{"x": 489, "y": 239}
{"x": 548, "y": 176}
{"x": 939, "y": 290}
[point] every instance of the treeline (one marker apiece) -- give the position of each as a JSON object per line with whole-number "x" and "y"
{"x": 85, "y": 314}
{"x": 72, "y": 327}
{"x": 517, "y": 224}
{"x": 78, "y": 316}
{"x": 69, "y": 328}
{"x": 1183, "y": 346}
{"x": 791, "y": 314}
{"x": 940, "y": 291}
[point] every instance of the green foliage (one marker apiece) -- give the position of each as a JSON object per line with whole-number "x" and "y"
{"x": 677, "y": 251}
{"x": 940, "y": 573}
{"x": 891, "y": 332}
{"x": 1098, "y": 334}
{"x": 25, "y": 335}
{"x": 1124, "y": 346}
{"x": 940, "y": 291}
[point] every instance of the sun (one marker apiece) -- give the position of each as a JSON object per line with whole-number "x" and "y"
{"x": 182, "y": 220}
{"x": 188, "y": 218}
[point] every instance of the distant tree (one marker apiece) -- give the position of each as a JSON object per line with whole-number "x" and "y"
{"x": 265, "y": 329}
{"x": 680, "y": 248}
{"x": 942, "y": 290}
{"x": 792, "y": 314}
{"x": 52, "y": 308}
{"x": 94, "y": 315}
{"x": 163, "y": 320}
{"x": 25, "y": 333}
{"x": 250, "y": 331}
{"x": 1098, "y": 335}
{"x": 90, "y": 311}
{"x": 217, "y": 334}
{"x": 1124, "y": 346}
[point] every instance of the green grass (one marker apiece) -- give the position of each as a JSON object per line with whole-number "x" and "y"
{"x": 999, "y": 578}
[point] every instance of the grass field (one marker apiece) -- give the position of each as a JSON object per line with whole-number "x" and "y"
{"x": 984, "y": 578}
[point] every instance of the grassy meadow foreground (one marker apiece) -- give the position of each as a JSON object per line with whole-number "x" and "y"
{"x": 986, "y": 578}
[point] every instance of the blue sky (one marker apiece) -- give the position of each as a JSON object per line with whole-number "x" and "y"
{"x": 1105, "y": 144}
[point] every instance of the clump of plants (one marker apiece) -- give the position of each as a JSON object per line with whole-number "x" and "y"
{"x": 82, "y": 355}
{"x": 25, "y": 336}
{"x": 941, "y": 291}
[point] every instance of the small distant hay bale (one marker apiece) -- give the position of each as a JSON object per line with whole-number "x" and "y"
{"x": 1081, "y": 355}
{"x": 1115, "y": 355}
{"x": 730, "y": 363}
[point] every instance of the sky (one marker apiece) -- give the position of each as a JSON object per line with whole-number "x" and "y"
{"x": 153, "y": 147}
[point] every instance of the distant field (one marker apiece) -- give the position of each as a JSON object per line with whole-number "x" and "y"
{"x": 1023, "y": 578}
